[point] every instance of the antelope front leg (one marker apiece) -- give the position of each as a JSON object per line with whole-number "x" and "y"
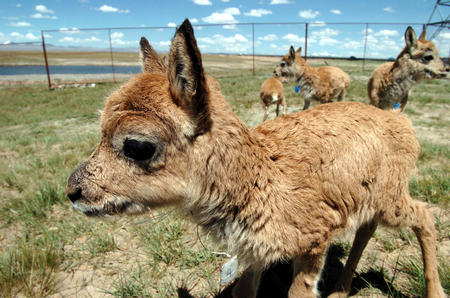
{"x": 362, "y": 237}
{"x": 266, "y": 113}
{"x": 307, "y": 103}
{"x": 403, "y": 102}
{"x": 305, "y": 275}
{"x": 248, "y": 284}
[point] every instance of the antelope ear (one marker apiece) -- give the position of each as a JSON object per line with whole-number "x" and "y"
{"x": 299, "y": 50}
{"x": 150, "y": 61}
{"x": 187, "y": 78}
{"x": 410, "y": 38}
{"x": 292, "y": 53}
{"x": 423, "y": 35}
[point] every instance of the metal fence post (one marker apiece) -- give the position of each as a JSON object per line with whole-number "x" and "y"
{"x": 46, "y": 61}
{"x": 306, "y": 41}
{"x": 111, "y": 53}
{"x": 365, "y": 46}
{"x": 253, "y": 44}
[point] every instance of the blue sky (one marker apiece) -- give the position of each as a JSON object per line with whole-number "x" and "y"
{"x": 21, "y": 21}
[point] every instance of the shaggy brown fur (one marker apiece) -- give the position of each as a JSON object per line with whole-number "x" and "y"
{"x": 317, "y": 83}
{"x": 390, "y": 82}
{"x": 272, "y": 92}
{"x": 283, "y": 190}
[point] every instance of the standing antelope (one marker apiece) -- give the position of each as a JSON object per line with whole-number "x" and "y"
{"x": 317, "y": 83}
{"x": 391, "y": 81}
{"x": 272, "y": 92}
{"x": 282, "y": 190}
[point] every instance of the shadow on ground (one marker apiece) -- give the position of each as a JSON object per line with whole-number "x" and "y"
{"x": 276, "y": 280}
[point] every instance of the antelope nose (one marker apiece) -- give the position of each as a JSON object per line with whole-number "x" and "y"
{"x": 74, "y": 193}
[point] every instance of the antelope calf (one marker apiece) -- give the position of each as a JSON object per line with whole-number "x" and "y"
{"x": 272, "y": 92}
{"x": 316, "y": 83}
{"x": 391, "y": 81}
{"x": 281, "y": 191}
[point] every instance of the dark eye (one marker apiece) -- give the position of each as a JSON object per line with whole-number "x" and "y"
{"x": 138, "y": 150}
{"x": 283, "y": 64}
{"x": 428, "y": 58}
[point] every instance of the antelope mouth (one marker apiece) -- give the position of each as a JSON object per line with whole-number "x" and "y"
{"x": 111, "y": 207}
{"x": 430, "y": 74}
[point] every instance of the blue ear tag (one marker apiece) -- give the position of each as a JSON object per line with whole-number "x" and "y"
{"x": 297, "y": 89}
{"x": 396, "y": 106}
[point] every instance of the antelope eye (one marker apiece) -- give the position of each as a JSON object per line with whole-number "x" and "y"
{"x": 138, "y": 150}
{"x": 283, "y": 64}
{"x": 428, "y": 58}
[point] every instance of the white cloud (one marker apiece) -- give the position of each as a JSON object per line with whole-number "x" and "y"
{"x": 317, "y": 24}
{"x": 20, "y": 24}
{"x": 164, "y": 43}
{"x": 308, "y": 14}
{"x": 328, "y": 41}
{"x": 171, "y": 24}
{"x": 257, "y": 12}
{"x": 194, "y": 20}
{"x": 2, "y": 34}
{"x": 232, "y": 10}
{"x": 219, "y": 17}
{"x": 16, "y": 34}
{"x": 386, "y": 33}
{"x": 118, "y": 41}
{"x": 352, "y": 44}
{"x": 269, "y": 37}
{"x": 230, "y": 27}
{"x": 275, "y": 2}
{"x": 43, "y": 9}
{"x": 444, "y": 35}
{"x": 41, "y": 16}
{"x": 294, "y": 38}
{"x": 107, "y": 8}
{"x": 226, "y": 1}
{"x": 335, "y": 11}
{"x": 18, "y": 5}
{"x": 236, "y": 43}
{"x": 389, "y": 9}
{"x": 69, "y": 39}
{"x": 31, "y": 36}
{"x": 327, "y": 32}
{"x": 74, "y": 30}
{"x": 116, "y": 35}
{"x": 226, "y": 16}
{"x": 207, "y": 40}
{"x": 202, "y": 2}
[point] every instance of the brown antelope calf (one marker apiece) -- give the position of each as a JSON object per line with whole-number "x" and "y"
{"x": 391, "y": 81}
{"x": 316, "y": 83}
{"x": 272, "y": 92}
{"x": 282, "y": 190}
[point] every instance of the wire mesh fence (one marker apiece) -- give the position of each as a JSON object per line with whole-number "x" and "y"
{"x": 93, "y": 54}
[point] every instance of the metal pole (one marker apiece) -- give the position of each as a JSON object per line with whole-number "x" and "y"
{"x": 306, "y": 41}
{"x": 111, "y": 53}
{"x": 365, "y": 46}
{"x": 253, "y": 44}
{"x": 46, "y": 61}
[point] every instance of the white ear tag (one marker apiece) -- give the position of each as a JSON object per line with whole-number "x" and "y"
{"x": 229, "y": 271}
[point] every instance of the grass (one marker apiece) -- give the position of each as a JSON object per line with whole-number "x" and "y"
{"x": 45, "y": 135}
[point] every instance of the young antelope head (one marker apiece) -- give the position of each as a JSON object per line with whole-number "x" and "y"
{"x": 421, "y": 57}
{"x": 146, "y": 154}
{"x": 288, "y": 67}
